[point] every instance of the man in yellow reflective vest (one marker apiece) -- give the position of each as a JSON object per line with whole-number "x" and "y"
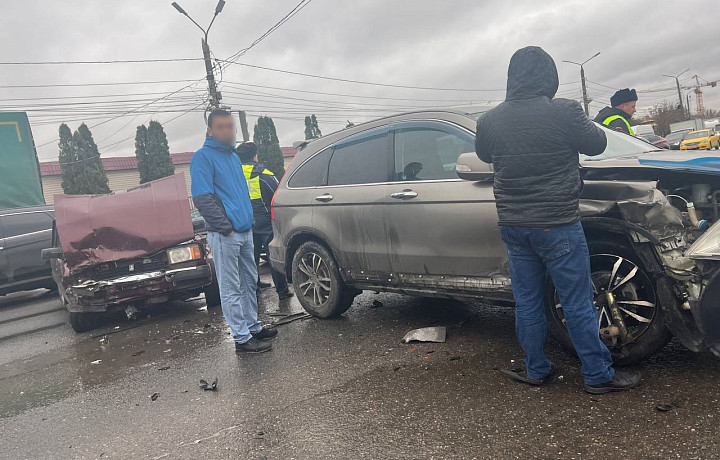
{"x": 618, "y": 116}
{"x": 262, "y": 184}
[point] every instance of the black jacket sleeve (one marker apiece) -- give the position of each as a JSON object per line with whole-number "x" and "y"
{"x": 268, "y": 185}
{"x": 213, "y": 211}
{"x": 482, "y": 147}
{"x": 585, "y": 136}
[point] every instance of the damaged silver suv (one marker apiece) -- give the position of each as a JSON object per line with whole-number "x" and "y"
{"x": 403, "y": 204}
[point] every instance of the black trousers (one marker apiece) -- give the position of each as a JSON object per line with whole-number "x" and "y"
{"x": 261, "y": 241}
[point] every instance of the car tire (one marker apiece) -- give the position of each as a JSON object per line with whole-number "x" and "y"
{"x": 212, "y": 290}
{"x": 317, "y": 282}
{"x": 650, "y": 337}
{"x": 84, "y": 322}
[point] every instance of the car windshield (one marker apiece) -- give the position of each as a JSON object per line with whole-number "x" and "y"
{"x": 621, "y": 145}
{"x": 697, "y": 135}
{"x": 674, "y": 137}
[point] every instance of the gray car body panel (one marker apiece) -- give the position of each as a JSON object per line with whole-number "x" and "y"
{"x": 24, "y": 232}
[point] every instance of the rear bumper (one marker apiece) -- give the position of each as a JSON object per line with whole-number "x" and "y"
{"x": 105, "y": 295}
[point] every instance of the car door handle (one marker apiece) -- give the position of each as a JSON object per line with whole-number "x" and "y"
{"x": 324, "y": 198}
{"x": 404, "y": 195}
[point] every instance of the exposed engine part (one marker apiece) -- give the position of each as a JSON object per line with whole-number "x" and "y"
{"x": 701, "y": 193}
{"x": 700, "y": 224}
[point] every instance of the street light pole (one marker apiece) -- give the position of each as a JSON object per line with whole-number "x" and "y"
{"x": 215, "y": 96}
{"x": 677, "y": 82}
{"x": 582, "y": 80}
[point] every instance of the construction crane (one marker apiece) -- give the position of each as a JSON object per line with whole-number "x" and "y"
{"x": 699, "y": 94}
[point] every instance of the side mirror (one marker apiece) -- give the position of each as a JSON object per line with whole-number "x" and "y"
{"x": 470, "y": 167}
{"x": 51, "y": 253}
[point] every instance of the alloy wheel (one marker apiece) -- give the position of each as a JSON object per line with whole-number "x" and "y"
{"x": 630, "y": 287}
{"x": 315, "y": 284}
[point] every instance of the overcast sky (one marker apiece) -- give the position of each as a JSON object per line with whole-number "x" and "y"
{"x": 454, "y": 44}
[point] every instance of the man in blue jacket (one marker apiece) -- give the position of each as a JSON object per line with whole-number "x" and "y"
{"x": 220, "y": 193}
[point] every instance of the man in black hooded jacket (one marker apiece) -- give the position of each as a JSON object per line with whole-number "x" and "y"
{"x": 533, "y": 142}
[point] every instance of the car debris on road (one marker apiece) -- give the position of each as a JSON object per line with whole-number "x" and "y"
{"x": 426, "y": 334}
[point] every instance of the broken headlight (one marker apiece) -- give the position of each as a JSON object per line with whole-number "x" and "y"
{"x": 707, "y": 246}
{"x": 184, "y": 254}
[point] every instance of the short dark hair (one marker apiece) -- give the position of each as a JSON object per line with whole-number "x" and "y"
{"x": 217, "y": 113}
{"x": 247, "y": 151}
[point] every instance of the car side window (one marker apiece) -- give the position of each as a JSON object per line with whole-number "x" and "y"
{"x": 429, "y": 150}
{"x": 312, "y": 173}
{"x": 361, "y": 159}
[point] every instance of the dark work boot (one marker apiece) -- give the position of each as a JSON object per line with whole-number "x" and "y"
{"x": 524, "y": 378}
{"x": 252, "y": 346}
{"x": 265, "y": 334}
{"x": 623, "y": 381}
{"x": 263, "y": 285}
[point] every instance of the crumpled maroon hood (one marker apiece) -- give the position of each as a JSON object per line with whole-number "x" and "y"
{"x": 125, "y": 225}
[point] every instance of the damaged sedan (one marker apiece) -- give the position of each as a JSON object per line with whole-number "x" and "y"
{"x": 403, "y": 204}
{"x": 128, "y": 250}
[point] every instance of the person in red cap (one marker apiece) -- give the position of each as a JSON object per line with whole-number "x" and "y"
{"x": 618, "y": 116}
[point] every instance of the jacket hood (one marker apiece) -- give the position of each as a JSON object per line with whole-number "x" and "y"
{"x": 532, "y": 73}
{"x": 214, "y": 144}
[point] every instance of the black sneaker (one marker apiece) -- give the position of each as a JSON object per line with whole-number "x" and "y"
{"x": 252, "y": 346}
{"x": 265, "y": 334}
{"x": 524, "y": 378}
{"x": 263, "y": 285}
{"x": 623, "y": 381}
{"x": 286, "y": 295}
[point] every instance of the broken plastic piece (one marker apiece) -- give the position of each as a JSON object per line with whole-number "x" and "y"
{"x": 209, "y": 386}
{"x": 426, "y": 334}
{"x": 155, "y": 396}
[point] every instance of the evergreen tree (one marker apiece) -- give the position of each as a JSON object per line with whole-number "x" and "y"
{"x": 159, "y": 163}
{"x": 86, "y": 173}
{"x": 68, "y": 158}
{"x": 141, "y": 152}
{"x": 312, "y": 131}
{"x": 269, "y": 153}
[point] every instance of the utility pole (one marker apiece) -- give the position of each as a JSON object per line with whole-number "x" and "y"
{"x": 243, "y": 126}
{"x": 586, "y": 99}
{"x": 215, "y": 96}
{"x": 677, "y": 82}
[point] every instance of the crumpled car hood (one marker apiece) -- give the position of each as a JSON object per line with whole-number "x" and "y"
{"x": 125, "y": 225}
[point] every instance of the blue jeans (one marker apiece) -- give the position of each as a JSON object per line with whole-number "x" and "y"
{"x": 261, "y": 240}
{"x": 561, "y": 252}
{"x": 237, "y": 277}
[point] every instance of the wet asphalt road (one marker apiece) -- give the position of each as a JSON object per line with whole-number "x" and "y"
{"x": 342, "y": 388}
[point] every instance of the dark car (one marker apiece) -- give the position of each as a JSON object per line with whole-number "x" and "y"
{"x": 403, "y": 204}
{"x": 24, "y": 232}
{"x": 676, "y": 138}
{"x": 127, "y": 251}
{"x": 658, "y": 141}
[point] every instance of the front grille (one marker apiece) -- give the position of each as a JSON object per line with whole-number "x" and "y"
{"x": 111, "y": 270}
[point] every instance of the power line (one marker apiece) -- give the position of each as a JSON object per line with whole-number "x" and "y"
{"x": 287, "y": 17}
{"x": 117, "y": 61}
{"x": 62, "y": 85}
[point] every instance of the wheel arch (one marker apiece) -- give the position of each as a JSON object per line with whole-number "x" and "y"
{"x": 295, "y": 241}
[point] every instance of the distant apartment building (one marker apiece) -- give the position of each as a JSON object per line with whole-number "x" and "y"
{"x": 122, "y": 172}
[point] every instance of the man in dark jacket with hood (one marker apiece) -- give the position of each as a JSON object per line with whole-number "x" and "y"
{"x": 618, "y": 116}
{"x": 533, "y": 141}
{"x": 262, "y": 184}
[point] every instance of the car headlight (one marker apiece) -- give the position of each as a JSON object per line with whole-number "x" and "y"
{"x": 707, "y": 246}
{"x": 184, "y": 254}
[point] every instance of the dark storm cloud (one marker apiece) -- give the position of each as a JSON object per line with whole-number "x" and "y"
{"x": 450, "y": 44}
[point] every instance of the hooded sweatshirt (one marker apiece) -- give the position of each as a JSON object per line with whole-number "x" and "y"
{"x": 533, "y": 142}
